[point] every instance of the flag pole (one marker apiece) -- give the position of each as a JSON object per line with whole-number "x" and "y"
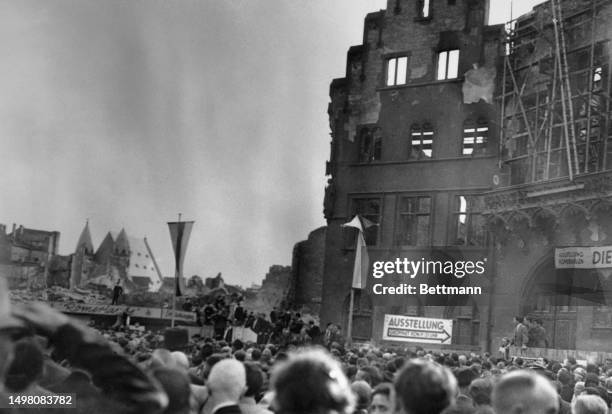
{"x": 176, "y": 275}
{"x": 349, "y": 329}
{"x": 358, "y": 272}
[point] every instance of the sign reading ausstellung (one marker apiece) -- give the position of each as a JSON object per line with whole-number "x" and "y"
{"x": 412, "y": 329}
{"x": 583, "y": 257}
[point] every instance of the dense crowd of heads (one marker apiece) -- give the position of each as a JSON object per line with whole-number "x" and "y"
{"x": 212, "y": 376}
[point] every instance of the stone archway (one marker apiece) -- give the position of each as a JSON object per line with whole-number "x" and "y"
{"x": 552, "y": 296}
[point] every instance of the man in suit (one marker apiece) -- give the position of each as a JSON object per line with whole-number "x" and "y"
{"x": 226, "y": 384}
{"x": 521, "y": 336}
{"x": 117, "y": 292}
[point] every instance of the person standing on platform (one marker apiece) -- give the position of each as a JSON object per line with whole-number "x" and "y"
{"x": 540, "y": 338}
{"x": 521, "y": 335}
{"x": 220, "y": 324}
{"x": 117, "y": 292}
{"x": 273, "y": 315}
{"x": 239, "y": 315}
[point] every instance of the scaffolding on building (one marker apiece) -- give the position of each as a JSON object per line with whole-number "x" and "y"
{"x": 555, "y": 92}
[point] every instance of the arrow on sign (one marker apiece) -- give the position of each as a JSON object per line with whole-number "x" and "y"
{"x": 422, "y": 334}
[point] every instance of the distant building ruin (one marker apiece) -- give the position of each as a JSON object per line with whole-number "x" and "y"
{"x": 118, "y": 258}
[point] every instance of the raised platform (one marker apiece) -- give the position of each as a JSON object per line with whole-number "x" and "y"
{"x": 132, "y": 311}
{"x": 561, "y": 354}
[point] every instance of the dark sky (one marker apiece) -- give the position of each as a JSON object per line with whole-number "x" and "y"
{"x": 129, "y": 112}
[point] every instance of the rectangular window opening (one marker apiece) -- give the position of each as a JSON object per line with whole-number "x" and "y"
{"x": 370, "y": 144}
{"x": 425, "y": 10}
{"x": 448, "y": 64}
{"x": 421, "y": 140}
{"x": 391, "y": 63}
{"x": 402, "y": 65}
{"x": 413, "y": 226}
{"x": 469, "y": 222}
{"x": 397, "y": 69}
{"x": 475, "y": 137}
{"x": 442, "y": 56}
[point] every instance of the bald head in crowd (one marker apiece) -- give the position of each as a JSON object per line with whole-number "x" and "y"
{"x": 181, "y": 361}
{"x": 524, "y": 392}
{"x": 227, "y": 381}
{"x": 589, "y": 404}
{"x": 424, "y": 387}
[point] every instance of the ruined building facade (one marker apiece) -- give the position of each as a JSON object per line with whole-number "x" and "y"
{"x": 29, "y": 256}
{"x": 450, "y": 136}
{"x": 553, "y": 190}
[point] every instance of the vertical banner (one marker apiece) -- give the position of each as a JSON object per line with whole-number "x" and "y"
{"x": 362, "y": 261}
{"x": 179, "y": 233}
{"x": 360, "y": 267}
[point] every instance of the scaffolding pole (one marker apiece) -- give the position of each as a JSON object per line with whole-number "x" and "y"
{"x": 559, "y": 63}
{"x": 553, "y": 118}
{"x": 568, "y": 86}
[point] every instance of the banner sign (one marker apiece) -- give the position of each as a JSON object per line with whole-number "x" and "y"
{"x": 244, "y": 334}
{"x": 413, "y": 329}
{"x": 133, "y": 311}
{"x": 179, "y": 233}
{"x": 583, "y": 257}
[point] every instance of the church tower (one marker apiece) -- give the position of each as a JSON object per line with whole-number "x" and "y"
{"x": 82, "y": 258}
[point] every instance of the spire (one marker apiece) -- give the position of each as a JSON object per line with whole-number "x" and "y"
{"x": 122, "y": 244}
{"x": 85, "y": 240}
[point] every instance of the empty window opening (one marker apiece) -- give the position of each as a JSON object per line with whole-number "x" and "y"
{"x": 470, "y": 224}
{"x": 421, "y": 141}
{"x": 448, "y": 64}
{"x": 475, "y": 137}
{"x": 413, "y": 221}
{"x": 396, "y": 71}
{"x": 424, "y": 9}
{"x": 370, "y": 145}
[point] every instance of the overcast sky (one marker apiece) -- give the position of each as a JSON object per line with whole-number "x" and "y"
{"x": 129, "y": 112}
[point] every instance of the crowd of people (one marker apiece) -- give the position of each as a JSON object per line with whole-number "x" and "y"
{"x": 280, "y": 326}
{"x": 43, "y": 352}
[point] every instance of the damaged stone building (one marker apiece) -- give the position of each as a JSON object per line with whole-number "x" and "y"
{"x": 30, "y": 256}
{"x": 550, "y": 212}
{"x": 304, "y": 294}
{"x": 463, "y": 141}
